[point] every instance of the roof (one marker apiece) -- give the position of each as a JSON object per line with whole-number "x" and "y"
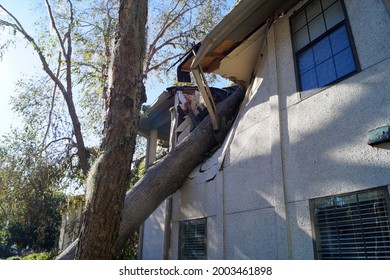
{"x": 244, "y": 20}
{"x": 158, "y": 116}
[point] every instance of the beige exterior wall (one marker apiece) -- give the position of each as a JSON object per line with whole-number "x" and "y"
{"x": 288, "y": 147}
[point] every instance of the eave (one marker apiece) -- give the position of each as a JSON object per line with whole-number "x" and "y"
{"x": 232, "y": 32}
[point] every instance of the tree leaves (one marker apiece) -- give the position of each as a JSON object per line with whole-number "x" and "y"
{"x": 31, "y": 187}
{"x": 175, "y": 25}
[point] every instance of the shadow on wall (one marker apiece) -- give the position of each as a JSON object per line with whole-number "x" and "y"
{"x": 324, "y": 152}
{"x": 325, "y": 138}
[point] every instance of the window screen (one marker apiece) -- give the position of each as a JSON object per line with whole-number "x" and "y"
{"x": 192, "y": 240}
{"x": 322, "y": 44}
{"x": 352, "y": 226}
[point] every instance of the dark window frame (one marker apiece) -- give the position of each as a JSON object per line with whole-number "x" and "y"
{"x": 180, "y": 247}
{"x": 385, "y": 190}
{"x": 345, "y": 22}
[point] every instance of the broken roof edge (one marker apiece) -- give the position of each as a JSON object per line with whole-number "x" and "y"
{"x": 241, "y": 22}
{"x": 216, "y": 36}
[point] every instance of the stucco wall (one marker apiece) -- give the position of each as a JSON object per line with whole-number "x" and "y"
{"x": 153, "y": 234}
{"x": 289, "y": 147}
{"x": 325, "y": 132}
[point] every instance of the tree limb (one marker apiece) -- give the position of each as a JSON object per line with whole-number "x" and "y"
{"x": 66, "y": 91}
{"x": 18, "y": 27}
{"x": 158, "y": 65}
{"x": 165, "y": 27}
{"x": 54, "y": 26}
{"x": 52, "y": 101}
{"x": 61, "y": 139}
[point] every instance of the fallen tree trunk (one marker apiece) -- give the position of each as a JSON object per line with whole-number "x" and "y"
{"x": 169, "y": 174}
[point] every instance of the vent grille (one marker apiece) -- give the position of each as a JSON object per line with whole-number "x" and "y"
{"x": 352, "y": 226}
{"x": 193, "y": 240}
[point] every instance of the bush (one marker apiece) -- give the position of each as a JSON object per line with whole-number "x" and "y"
{"x": 17, "y": 258}
{"x": 35, "y": 256}
{"x": 39, "y": 256}
{"x": 5, "y": 243}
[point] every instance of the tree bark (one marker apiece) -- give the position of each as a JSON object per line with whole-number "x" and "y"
{"x": 109, "y": 178}
{"x": 81, "y": 150}
{"x": 168, "y": 175}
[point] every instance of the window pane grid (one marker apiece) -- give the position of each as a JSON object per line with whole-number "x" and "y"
{"x": 328, "y": 64}
{"x": 352, "y": 230}
{"x": 320, "y": 27}
{"x": 333, "y": 15}
{"x": 316, "y": 27}
{"x": 192, "y": 240}
{"x": 318, "y": 19}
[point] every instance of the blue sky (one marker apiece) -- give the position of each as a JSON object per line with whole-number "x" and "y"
{"x": 19, "y": 61}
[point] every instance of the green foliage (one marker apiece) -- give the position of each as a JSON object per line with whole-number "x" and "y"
{"x": 5, "y": 242}
{"x": 40, "y": 256}
{"x": 130, "y": 251}
{"x": 5, "y": 237}
{"x": 30, "y": 193}
{"x": 35, "y": 256}
{"x": 6, "y": 40}
{"x": 93, "y": 36}
{"x": 138, "y": 166}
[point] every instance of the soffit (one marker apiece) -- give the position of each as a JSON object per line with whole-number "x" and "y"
{"x": 234, "y": 29}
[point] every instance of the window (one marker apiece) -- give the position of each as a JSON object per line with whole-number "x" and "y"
{"x": 322, "y": 43}
{"x": 352, "y": 226}
{"x": 192, "y": 240}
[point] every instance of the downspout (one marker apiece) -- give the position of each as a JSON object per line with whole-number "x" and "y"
{"x": 277, "y": 147}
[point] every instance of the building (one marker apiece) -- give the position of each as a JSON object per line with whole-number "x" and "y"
{"x": 305, "y": 170}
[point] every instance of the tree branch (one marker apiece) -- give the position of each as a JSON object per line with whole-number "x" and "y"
{"x": 170, "y": 42}
{"x": 93, "y": 66}
{"x": 69, "y": 51}
{"x": 159, "y": 34}
{"x": 54, "y": 26}
{"x": 59, "y": 140}
{"x": 67, "y": 92}
{"x": 18, "y": 24}
{"x": 52, "y": 100}
{"x": 18, "y": 27}
{"x": 155, "y": 67}
{"x": 168, "y": 23}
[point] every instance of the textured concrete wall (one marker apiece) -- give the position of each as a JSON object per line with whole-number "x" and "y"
{"x": 154, "y": 226}
{"x": 288, "y": 147}
{"x": 324, "y": 131}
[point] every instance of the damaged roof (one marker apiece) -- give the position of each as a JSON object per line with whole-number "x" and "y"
{"x": 157, "y": 116}
{"x": 243, "y": 21}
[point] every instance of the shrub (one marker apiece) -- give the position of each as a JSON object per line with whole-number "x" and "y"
{"x": 39, "y": 256}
